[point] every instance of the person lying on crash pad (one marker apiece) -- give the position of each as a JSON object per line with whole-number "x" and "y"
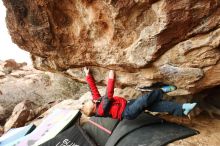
{"x": 119, "y": 108}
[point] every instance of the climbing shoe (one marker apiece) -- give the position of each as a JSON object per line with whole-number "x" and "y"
{"x": 168, "y": 88}
{"x": 188, "y": 107}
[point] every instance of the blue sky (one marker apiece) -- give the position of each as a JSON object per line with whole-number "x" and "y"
{"x": 9, "y": 50}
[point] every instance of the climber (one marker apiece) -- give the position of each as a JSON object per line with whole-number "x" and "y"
{"x": 118, "y": 108}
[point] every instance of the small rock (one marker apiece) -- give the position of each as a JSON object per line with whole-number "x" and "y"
{"x": 11, "y": 63}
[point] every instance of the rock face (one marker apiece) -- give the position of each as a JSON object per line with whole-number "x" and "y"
{"x": 145, "y": 41}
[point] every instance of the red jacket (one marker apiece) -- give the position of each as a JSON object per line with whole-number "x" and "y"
{"x": 107, "y": 105}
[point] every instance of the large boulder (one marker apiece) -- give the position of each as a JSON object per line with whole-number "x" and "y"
{"x": 27, "y": 83}
{"x": 145, "y": 41}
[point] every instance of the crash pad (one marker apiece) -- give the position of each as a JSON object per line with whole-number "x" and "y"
{"x": 69, "y": 119}
{"x": 100, "y": 128}
{"x": 73, "y": 136}
{"x": 15, "y": 134}
{"x": 156, "y": 135}
{"x": 62, "y": 117}
{"x": 147, "y": 130}
{"x": 129, "y": 126}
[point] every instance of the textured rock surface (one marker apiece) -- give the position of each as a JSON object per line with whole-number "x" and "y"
{"x": 22, "y": 113}
{"x": 2, "y": 115}
{"x": 145, "y": 41}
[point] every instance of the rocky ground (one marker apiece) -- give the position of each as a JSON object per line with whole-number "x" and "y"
{"x": 209, "y": 132}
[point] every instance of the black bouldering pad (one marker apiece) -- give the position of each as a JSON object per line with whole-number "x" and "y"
{"x": 156, "y": 135}
{"x": 129, "y": 126}
{"x": 99, "y": 135}
{"x": 152, "y": 132}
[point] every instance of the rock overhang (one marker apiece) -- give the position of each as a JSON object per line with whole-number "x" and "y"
{"x": 143, "y": 41}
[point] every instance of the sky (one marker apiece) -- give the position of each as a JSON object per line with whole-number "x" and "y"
{"x": 9, "y": 50}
